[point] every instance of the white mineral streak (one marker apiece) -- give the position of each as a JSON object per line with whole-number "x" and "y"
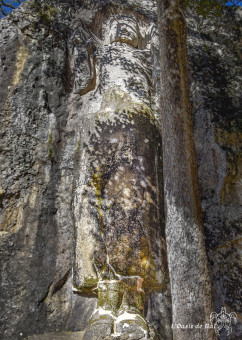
{"x": 128, "y": 316}
{"x": 102, "y": 311}
{"x": 120, "y": 277}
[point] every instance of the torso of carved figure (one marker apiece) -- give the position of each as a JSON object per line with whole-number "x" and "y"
{"x": 127, "y": 177}
{"x": 127, "y": 68}
{"x": 121, "y": 63}
{"x": 121, "y": 217}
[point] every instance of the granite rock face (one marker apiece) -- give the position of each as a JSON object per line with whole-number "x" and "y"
{"x": 82, "y": 224}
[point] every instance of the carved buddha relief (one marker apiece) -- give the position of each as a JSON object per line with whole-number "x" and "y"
{"x": 123, "y": 29}
{"x": 120, "y": 252}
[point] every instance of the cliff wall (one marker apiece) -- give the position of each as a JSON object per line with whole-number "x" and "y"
{"x": 65, "y": 95}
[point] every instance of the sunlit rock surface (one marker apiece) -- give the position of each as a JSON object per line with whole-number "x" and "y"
{"x": 82, "y": 224}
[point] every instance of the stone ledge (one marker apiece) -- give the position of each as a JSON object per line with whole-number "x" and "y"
{"x": 57, "y": 336}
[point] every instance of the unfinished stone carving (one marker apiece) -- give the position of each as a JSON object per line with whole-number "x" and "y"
{"x": 120, "y": 246}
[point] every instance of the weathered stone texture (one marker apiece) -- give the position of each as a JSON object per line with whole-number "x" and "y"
{"x": 71, "y": 86}
{"x": 215, "y": 60}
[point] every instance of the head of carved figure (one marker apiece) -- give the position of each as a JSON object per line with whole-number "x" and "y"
{"x": 123, "y": 29}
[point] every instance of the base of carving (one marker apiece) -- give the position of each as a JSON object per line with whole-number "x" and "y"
{"x": 133, "y": 325}
{"x": 126, "y": 326}
{"x": 100, "y": 327}
{"x": 119, "y": 313}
